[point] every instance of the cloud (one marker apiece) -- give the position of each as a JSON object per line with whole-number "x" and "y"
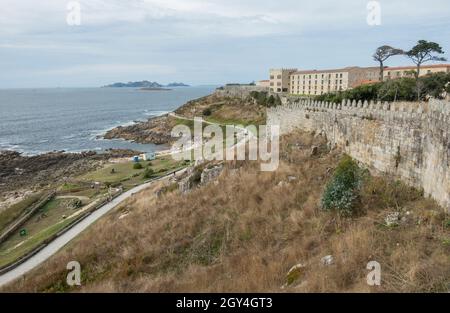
{"x": 108, "y": 69}
{"x": 118, "y": 36}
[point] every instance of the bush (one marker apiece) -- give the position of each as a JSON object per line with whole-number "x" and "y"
{"x": 262, "y": 99}
{"x": 149, "y": 173}
{"x": 137, "y": 166}
{"x": 342, "y": 192}
{"x": 401, "y": 89}
{"x": 207, "y": 112}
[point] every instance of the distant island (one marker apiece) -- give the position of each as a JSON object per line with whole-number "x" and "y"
{"x": 148, "y": 85}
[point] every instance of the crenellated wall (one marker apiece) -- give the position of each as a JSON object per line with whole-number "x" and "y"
{"x": 410, "y": 141}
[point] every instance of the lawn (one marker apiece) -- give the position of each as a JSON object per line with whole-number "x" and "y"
{"x": 45, "y": 223}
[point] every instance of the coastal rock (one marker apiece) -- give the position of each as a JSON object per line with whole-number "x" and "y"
{"x": 156, "y": 130}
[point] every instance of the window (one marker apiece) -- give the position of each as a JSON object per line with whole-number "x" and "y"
{"x": 279, "y": 76}
{"x": 279, "y": 84}
{"x": 272, "y": 77}
{"x": 341, "y": 75}
{"x": 271, "y": 84}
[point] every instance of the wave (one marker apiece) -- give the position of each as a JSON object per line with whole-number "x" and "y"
{"x": 155, "y": 113}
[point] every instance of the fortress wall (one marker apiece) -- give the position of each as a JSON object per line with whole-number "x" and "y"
{"x": 407, "y": 140}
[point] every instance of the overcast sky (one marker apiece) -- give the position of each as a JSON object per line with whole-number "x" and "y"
{"x": 201, "y": 41}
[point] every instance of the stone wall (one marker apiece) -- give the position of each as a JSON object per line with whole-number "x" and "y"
{"x": 238, "y": 91}
{"x": 407, "y": 140}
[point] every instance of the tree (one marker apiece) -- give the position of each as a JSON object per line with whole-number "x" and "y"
{"x": 382, "y": 54}
{"x": 424, "y": 51}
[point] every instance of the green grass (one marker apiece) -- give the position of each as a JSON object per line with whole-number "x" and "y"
{"x": 13, "y": 212}
{"x": 124, "y": 174}
{"x": 8, "y": 256}
{"x": 48, "y": 220}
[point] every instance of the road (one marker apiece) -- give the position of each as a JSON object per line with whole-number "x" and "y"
{"x": 65, "y": 238}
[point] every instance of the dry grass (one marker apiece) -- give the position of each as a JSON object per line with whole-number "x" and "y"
{"x": 245, "y": 233}
{"x": 226, "y": 110}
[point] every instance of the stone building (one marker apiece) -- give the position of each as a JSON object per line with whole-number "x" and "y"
{"x": 280, "y": 80}
{"x": 318, "y": 82}
{"x": 408, "y": 71}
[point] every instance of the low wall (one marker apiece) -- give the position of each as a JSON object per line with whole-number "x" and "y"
{"x": 407, "y": 140}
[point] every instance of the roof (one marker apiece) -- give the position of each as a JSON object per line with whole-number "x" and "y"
{"x": 345, "y": 69}
{"x": 415, "y": 67}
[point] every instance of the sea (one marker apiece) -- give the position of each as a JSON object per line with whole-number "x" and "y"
{"x": 35, "y": 121}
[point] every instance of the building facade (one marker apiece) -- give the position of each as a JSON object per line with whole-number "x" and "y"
{"x": 280, "y": 80}
{"x": 409, "y": 71}
{"x": 318, "y": 82}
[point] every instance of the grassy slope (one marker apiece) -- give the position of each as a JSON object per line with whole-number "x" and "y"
{"x": 11, "y": 213}
{"x": 225, "y": 110}
{"x": 245, "y": 233}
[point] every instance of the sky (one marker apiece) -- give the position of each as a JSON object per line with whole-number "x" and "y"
{"x": 201, "y": 41}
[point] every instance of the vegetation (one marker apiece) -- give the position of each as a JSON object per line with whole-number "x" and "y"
{"x": 382, "y": 54}
{"x": 207, "y": 241}
{"x": 343, "y": 191}
{"x": 11, "y": 213}
{"x": 401, "y": 89}
{"x": 207, "y": 112}
{"x": 148, "y": 173}
{"x": 136, "y": 166}
{"x": 424, "y": 51}
{"x": 262, "y": 99}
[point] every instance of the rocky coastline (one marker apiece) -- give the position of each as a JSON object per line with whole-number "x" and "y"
{"x": 21, "y": 173}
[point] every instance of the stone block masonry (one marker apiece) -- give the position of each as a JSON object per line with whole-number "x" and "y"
{"x": 410, "y": 141}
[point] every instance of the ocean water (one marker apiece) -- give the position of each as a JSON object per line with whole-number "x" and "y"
{"x": 34, "y": 121}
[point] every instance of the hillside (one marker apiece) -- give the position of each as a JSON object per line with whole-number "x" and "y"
{"x": 214, "y": 108}
{"x": 245, "y": 232}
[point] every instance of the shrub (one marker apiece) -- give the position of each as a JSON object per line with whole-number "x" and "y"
{"x": 342, "y": 192}
{"x": 149, "y": 173}
{"x": 207, "y": 112}
{"x": 137, "y": 166}
{"x": 262, "y": 99}
{"x": 401, "y": 89}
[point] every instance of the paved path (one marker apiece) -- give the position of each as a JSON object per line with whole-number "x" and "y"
{"x": 65, "y": 238}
